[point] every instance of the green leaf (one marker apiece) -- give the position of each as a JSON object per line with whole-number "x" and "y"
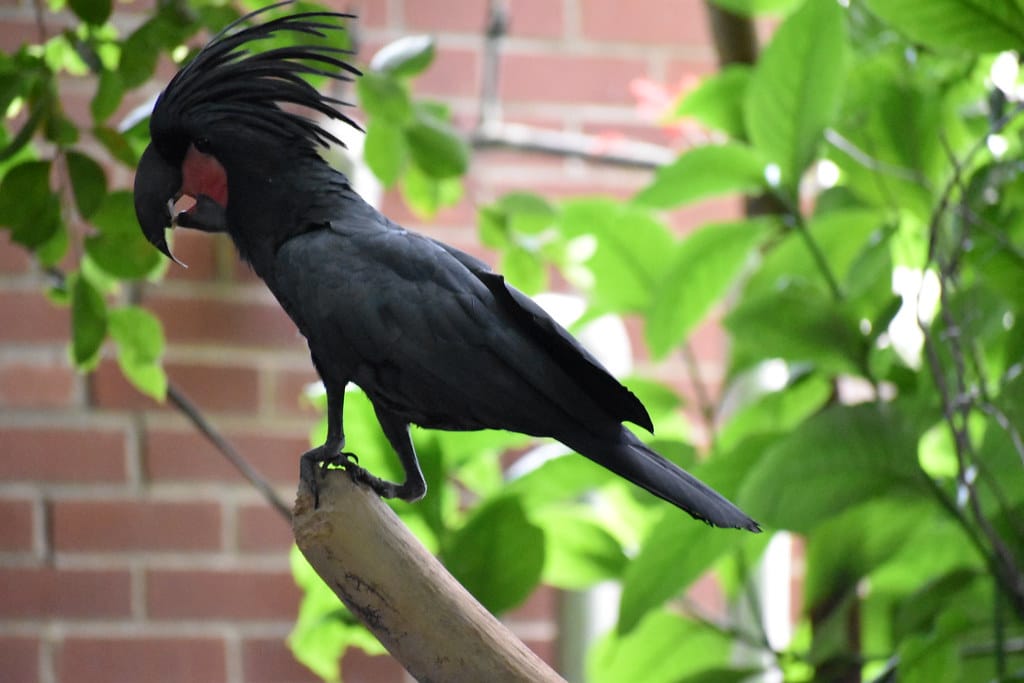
{"x": 975, "y": 25}
{"x": 95, "y": 12}
{"x": 704, "y": 267}
{"x": 437, "y": 148}
{"x": 384, "y": 96}
{"x": 797, "y": 86}
{"x": 140, "y": 340}
{"x": 718, "y": 101}
{"x": 527, "y": 213}
{"x": 88, "y": 323}
{"x": 88, "y": 181}
{"x": 120, "y": 247}
{"x": 664, "y": 647}
{"x": 385, "y": 150}
{"x": 524, "y": 270}
{"x": 563, "y": 478}
{"x": 498, "y": 555}
{"x": 139, "y": 55}
{"x": 675, "y": 554}
{"x": 324, "y": 629}
{"x": 843, "y": 456}
{"x": 27, "y": 205}
{"x": 109, "y": 91}
{"x": 633, "y": 251}
{"x": 841, "y": 235}
{"x": 755, "y": 7}
{"x": 404, "y": 57}
{"x": 425, "y": 195}
{"x": 578, "y": 550}
{"x": 776, "y": 411}
{"x": 118, "y": 145}
{"x": 846, "y": 548}
{"x": 797, "y": 323}
{"x": 704, "y": 172}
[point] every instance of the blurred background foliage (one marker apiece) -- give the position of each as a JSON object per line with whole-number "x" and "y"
{"x": 873, "y": 401}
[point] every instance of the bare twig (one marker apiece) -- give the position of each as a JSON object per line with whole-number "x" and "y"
{"x": 182, "y": 402}
{"x": 957, "y": 401}
{"x": 627, "y": 153}
{"x": 705, "y": 405}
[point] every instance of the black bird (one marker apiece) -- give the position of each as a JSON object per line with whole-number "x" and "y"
{"x": 431, "y": 335}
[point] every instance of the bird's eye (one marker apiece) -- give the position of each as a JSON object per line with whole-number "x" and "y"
{"x": 203, "y": 145}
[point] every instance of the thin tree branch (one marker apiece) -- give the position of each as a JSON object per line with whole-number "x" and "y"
{"x": 705, "y": 405}
{"x": 626, "y": 153}
{"x": 189, "y": 409}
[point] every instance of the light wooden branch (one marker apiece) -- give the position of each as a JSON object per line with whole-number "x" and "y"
{"x": 402, "y": 593}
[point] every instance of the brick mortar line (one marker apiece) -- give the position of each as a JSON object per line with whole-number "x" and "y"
{"x": 579, "y": 45}
{"x": 147, "y": 561}
{"x": 144, "y": 629}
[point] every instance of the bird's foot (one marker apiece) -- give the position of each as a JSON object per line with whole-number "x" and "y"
{"x": 382, "y": 487}
{"x": 313, "y": 467}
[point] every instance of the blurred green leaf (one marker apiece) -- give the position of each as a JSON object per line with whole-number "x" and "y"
{"x": 404, "y": 57}
{"x": 140, "y": 340}
{"x": 976, "y": 25}
{"x": 843, "y": 456}
{"x": 664, "y": 646}
{"x": 704, "y": 266}
{"x": 88, "y": 323}
{"x": 139, "y": 55}
{"x": 815, "y": 329}
{"x": 527, "y": 213}
{"x": 436, "y": 147}
{"x": 718, "y": 101}
{"x": 578, "y": 550}
{"x": 498, "y": 555}
{"x": 633, "y": 251}
{"x": 755, "y": 7}
{"x": 777, "y": 411}
{"x": 675, "y": 553}
{"x": 27, "y": 205}
{"x": 840, "y": 235}
{"x": 425, "y": 195}
{"x": 324, "y": 628}
{"x": 109, "y": 92}
{"x": 384, "y": 96}
{"x": 385, "y": 150}
{"x": 88, "y": 182}
{"x": 120, "y": 247}
{"x": 524, "y": 270}
{"x": 797, "y": 87}
{"x": 95, "y": 12}
{"x": 704, "y": 172}
{"x": 844, "y": 549}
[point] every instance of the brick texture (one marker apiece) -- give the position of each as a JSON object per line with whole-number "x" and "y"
{"x": 20, "y": 658}
{"x": 160, "y": 660}
{"x": 16, "y": 530}
{"x": 106, "y": 526}
{"x": 235, "y": 595}
{"x": 40, "y": 592}
{"x": 62, "y": 455}
{"x": 133, "y": 551}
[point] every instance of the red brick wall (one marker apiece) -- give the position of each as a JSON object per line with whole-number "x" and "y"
{"x": 129, "y": 550}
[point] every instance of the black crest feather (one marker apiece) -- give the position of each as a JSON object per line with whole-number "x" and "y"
{"x": 228, "y": 82}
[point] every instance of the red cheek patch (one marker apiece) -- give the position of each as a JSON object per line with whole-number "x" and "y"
{"x": 203, "y": 174}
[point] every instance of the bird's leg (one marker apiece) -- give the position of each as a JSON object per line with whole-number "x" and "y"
{"x": 397, "y": 431}
{"x": 330, "y": 452}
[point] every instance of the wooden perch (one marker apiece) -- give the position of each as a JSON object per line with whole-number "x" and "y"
{"x": 418, "y": 611}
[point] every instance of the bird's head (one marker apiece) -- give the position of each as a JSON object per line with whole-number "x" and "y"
{"x": 224, "y": 109}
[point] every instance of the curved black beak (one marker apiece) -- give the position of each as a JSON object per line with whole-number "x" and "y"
{"x": 157, "y": 184}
